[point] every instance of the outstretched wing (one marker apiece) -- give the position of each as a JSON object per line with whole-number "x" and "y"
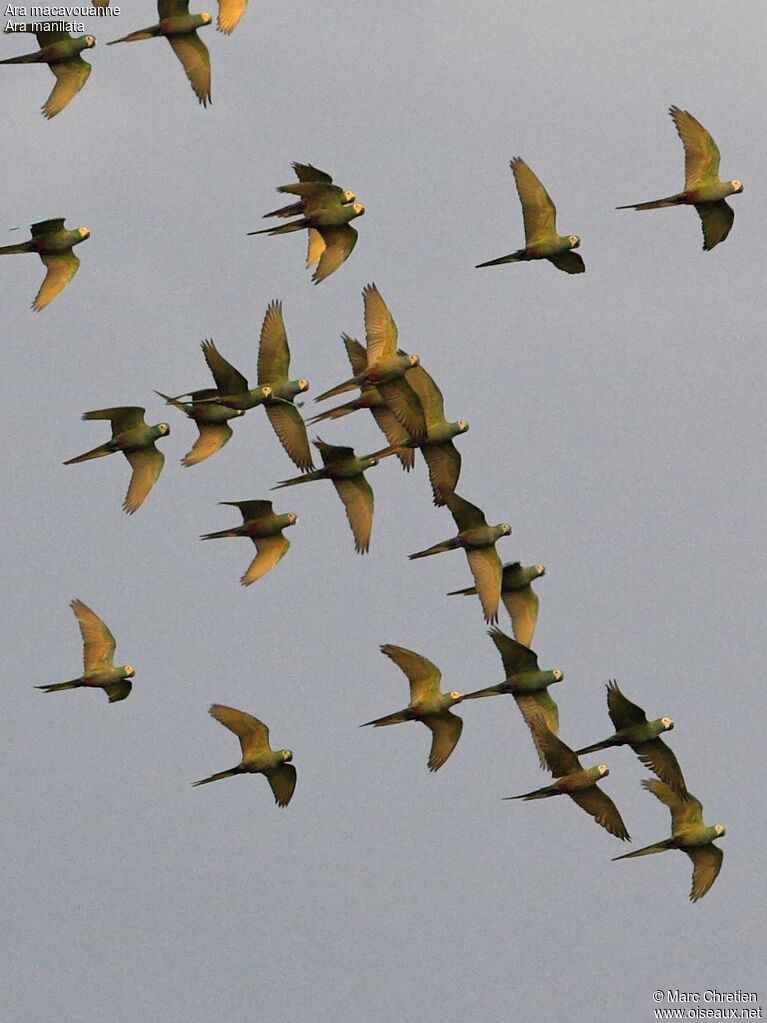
{"x": 558, "y": 757}
{"x": 380, "y": 328}
{"x": 147, "y": 465}
{"x": 212, "y": 438}
{"x": 273, "y": 350}
{"x": 716, "y": 219}
{"x": 707, "y": 862}
{"x": 339, "y": 243}
{"x": 623, "y": 713}
{"x": 61, "y": 268}
{"x": 252, "y": 733}
{"x": 661, "y": 760}
{"x": 282, "y": 780}
{"x": 98, "y": 641}
{"x": 271, "y": 549}
{"x": 71, "y": 76}
{"x": 602, "y": 809}
{"x": 701, "y": 153}
{"x": 194, "y": 56}
{"x": 539, "y": 212}
{"x": 228, "y": 379}
{"x": 570, "y": 262}
{"x": 357, "y": 496}
{"x": 423, "y": 675}
{"x": 229, "y": 13}
{"x": 446, "y": 730}
{"x": 465, "y": 514}
{"x": 487, "y": 570}
{"x": 684, "y": 812}
{"x": 291, "y": 430}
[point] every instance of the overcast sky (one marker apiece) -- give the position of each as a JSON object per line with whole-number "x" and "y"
{"x": 616, "y": 421}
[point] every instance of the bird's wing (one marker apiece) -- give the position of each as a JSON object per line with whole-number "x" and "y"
{"x": 339, "y": 243}
{"x": 229, "y": 13}
{"x": 570, "y": 262}
{"x": 228, "y": 379}
{"x": 71, "y": 76}
{"x": 119, "y": 690}
{"x": 522, "y": 606}
{"x": 516, "y": 656}
{"x": 282, "y": 780}
{"x": 212, "y": 438}
{"x": 401, "y": 400}
{"x": 358, "y": 358}
{"x": 123, "y": 417}
{"x": 487, "y": 570}
{"x": 396, "y": 434}
{"x": 536, "y": 705}
{"x": 357, "y": 496}
{"x": 147, "y": 465}
{"x": 61, "y": 268}
{"x": 98, "y": 641}
{"x": 167, "y": 8}
{"x": 330, "y": 453}
{"x": 43, "y": 227}
{"x": 306, "y": 172}
{"x": 271, "y": 549}
{"x": 716, "y": 219}
{"x": 429, "y": 395}
{"x": 316, "y": 246}
{"x": 252, "y": 733}
{"x": 559, "y": 758}
{"x": 465, "y": 514}
{"x": 193, "y": 54}
{"x": 707, "y": 862}
{"x": 661, "y": 760}
{"x": 701, "y": 153}
{"x": 446, "y": 730}
{"x": 380, "y": 328}
{"x": 444, "y": 463}
{"x": 273, "y": 350}
{"x": 290, "y": 428}
{"x": 423, "y": 675}
{"x": 602, "y": 809}
{"x": 539, "y": 212}
{"x": 623, "y": 713}
{"x": 251, "y": 509}
{"x": 684, "y": 811}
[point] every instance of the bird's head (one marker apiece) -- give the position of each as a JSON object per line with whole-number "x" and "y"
{"x": 266, "y": 391}
{"x": 667, "y": 723}
{"x": 287, "y": 755}
{"x": 603, "y": 770}
{"x": 370, "y": 462}
{"x": 558, "y": 674}
{"x": 164, "y": 429}
{"x": 720, "y": 830}
{"x": 206, "y": 18}
{"x": 90, "y": 42}
{"x": 129, "y": 671}
{"x": 574, "y": 241}
{"x": 539, "y": 570}
{"x": 348, "y": 197}
{"x": 505, "y": 529}
{"x": 414, "y": 360}
{"x": 238, "y": 411}
{"x": 303, "y": 385}
{"x": 84, "y": 232}
{"x": 455, "y": 697}
{"x": 736, "y": 186}
{"x": 292, "y": 518}
{"x": 462, "y": 425}
{"x": 358, "y": 208}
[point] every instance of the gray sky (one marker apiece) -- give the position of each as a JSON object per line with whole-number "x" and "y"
{"x": 616, "y": 422}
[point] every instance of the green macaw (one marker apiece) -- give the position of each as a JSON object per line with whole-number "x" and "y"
{"x": 689, "y": 834}
{"x": 478, "y": 540}
{"x": 274, "y": 372}
{"x": 633, "y": 729}
{"x": 575, "y": 781}
{"x": 440, "y": 454}
{"x": 61, "y": 52}
{"x": 346, "y": 472}
{"x": 519, "y": 598}
{"x": 232, "y": 388}
{"x": 212, "y": 422}
{"x": 258, "y": 757}
{"x": 427, "y": 704}
{"x": 702, "y": 187}
{"x": 324, "y": 211}
{"x": 319, "y": 198}
{"x": 527, "y": 684}
{"x": 136, "y": 440}
{"x": 229, "y": 14}
{"x": 540, "y": 215}
{"x": 264, "y": 528}
{"x": 179, "y": 27}
{"x": 370, "y": 398}
{"x": 98, "y": 659}
{"x": 54, "y": 244}
{"x": 386, "y": 366}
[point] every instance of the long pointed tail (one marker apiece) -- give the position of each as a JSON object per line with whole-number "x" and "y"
{"x": 390, "y": 719}
{"x": 171, "y": 401}
{"x": 308, "y": 477}
{"x": 347, "y": 385}
{"x": 438, "y": 548}
{"x": 482, "y": 693}
{"x": 468, "y": 592}
{"x": 656, "y": 204}
{"x": 134, "y": 37}
{"x": 297, "y": 225}
{"x": 9, "y": 250}
{"x": 25, "y": 58}
{"x": 544, "y": 793}
{"x": 217, "y": 777}
{"x": 99, "y": 452}
{"x": 648, "y": 850}
{"x": 295, "y": 209}
{"x": 59, "y": 687}
{"x": 221, "y": 533}
{"x": 335, "y": 413}
{"x": 605, "y": 744}
{"x": 513, "y": 257}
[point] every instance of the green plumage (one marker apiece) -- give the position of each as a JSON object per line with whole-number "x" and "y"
{"x": 61, "y": 52}
{"x": 518, "y": 598}
{"x": 264, "y": 527}
{"x": 54, "y": 244}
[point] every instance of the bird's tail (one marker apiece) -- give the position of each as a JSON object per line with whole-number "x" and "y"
{"x": 481, "y": 693}
{"x": 390, "y": 719}
{"x": 605, "y": 744}
{"x": 544, "y": 793}
{"x": 8, "y": 250}
{"x": 647, "y": 851}
{"x": 217, "y": 777}
{"x": 294, "y": 210}
{"x": 99, "y": 452}
{"x": 59, "y": 687}
{"x": 308, "y": 477}
{"x": 468, "y": 592}
{"x": 234, "y": 531}
{"x": 438, "y": 548}
{"x": 347, "y": 385}
{"x": 297, "y": 225}
{"x": 171, "y": 401}
{"x": 25, "y": 58}
{"x": 656, "y": 204}
{"x": 335, "y": 413}
{"x": 134, "y": 37}
{"x": 513, "y": 257}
